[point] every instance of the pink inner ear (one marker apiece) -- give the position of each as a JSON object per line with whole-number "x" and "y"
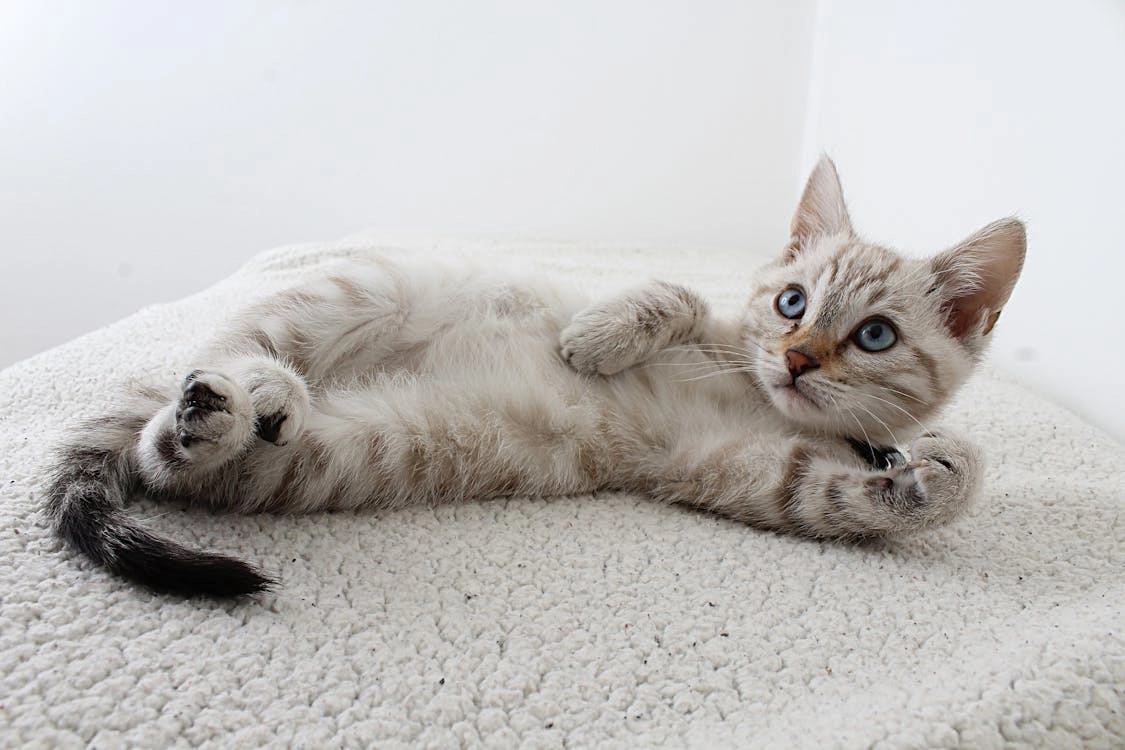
{"x": 964, "y": 313}
{"x": 977, "y": 276}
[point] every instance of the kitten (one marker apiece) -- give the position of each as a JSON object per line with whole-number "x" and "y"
{"x": 382, "y": 386}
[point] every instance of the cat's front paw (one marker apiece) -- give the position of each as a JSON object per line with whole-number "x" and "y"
{"x": 948, "y": 468}
{"x": 598, "y": 343}
{"x": 942, "y": 477}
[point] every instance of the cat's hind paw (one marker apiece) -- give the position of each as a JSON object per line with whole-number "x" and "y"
{"x": 213, "y": 415}
{"x": 280, "y": 412}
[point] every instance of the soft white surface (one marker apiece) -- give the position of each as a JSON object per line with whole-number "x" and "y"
{"x": 606, "y": 620}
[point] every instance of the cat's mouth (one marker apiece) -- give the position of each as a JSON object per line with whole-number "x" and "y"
{"x": 796, "y": 396}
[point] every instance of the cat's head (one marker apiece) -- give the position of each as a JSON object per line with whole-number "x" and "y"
{"x": 853, "y": 338}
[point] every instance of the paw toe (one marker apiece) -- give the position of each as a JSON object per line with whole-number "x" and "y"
{"x": 944, "y": 461}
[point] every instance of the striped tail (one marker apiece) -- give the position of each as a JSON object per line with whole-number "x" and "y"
{"x": 85, "y": 502}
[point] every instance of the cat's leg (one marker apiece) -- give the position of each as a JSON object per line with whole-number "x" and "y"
{"x": 795, "y": 486}
{"x": 219, "y": 412}
{"x": 212, "y": 439}
{"x": 609, "y": 337}
{"x": 331, "y": 328}
{"x": 191, "y": 443}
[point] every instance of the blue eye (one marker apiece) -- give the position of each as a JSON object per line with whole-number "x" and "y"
{"x": 791, "y": 303}
{"x": 875, "y": 335}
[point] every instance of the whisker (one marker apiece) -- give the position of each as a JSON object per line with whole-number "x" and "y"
{"x": 723, "y": 349}
{"x": 715, "y": 366}
{"x": 854, "y": 418}
{"x": 712, "y": 363}
{"x": 901, "y": 393}
{"x": 886, "y": 427}
{"x": 712, "y": 374}
{"x": 706, "y": 370}
{"x": 720, "y": 361}
{"x": 746, "y": 356}
{"x": 718, "y": 345}
{"x": 896, "y": 406}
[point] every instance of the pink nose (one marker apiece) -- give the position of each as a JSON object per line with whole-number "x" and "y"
{"x": 799, "y": 363}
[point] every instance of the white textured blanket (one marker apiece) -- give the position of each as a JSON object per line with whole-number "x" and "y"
{"x": 582, "y": 621}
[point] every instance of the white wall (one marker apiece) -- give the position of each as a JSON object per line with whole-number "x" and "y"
{"x": 148, "y": 148}
{"x": 943, "y": 116}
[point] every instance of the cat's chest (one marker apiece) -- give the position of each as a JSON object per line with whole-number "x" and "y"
{"x": 680, "y": 401}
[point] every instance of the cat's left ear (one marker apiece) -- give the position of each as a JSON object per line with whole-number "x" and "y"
{"x": 821, "y": 211}
{"x": 976, "y": 277}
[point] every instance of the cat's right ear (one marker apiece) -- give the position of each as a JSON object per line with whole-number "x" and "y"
{"x": 821, "y": 211}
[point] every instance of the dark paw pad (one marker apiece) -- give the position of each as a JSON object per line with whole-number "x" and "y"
{"x": 268, "y": 428}
{"x": 198, "y": 395}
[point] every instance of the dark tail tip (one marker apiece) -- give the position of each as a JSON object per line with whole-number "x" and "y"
{"x": 167, "y": 567}
{"x": 92, "y": 525}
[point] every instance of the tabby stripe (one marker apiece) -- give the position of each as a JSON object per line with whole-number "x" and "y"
{"x": 930, "y": 365}
{"x": 262, "y": 339}
{"x": 787, "y": 497}
{"x": 282, "y": 496}
{"x": 167, "y": 447}
{"x": 835, "y": 264}
{"x": 353, "y": 291}
{"x": 833, "y": 493}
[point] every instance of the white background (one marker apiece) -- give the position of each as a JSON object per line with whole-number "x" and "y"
{"x": 149, "y": 148}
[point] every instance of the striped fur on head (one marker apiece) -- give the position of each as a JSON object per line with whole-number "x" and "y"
{"x": 941, "y": 309}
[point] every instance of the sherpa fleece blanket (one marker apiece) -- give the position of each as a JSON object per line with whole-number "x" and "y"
{"x": 603, "y": 621}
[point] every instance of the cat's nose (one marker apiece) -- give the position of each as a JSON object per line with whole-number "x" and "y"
{"x": 799, "y": 363}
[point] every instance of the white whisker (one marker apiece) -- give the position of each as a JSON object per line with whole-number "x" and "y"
{"x": 853, "y": 416}
{"x": 719, "y": 352}
{"x": 716, "y": 372}
{"x": 708, "y": 363}
{"x": 896, "y": 406}
{"x": 886, "y": 427}
{"x": 901, "y": 393}
{"x": 716, "y": 345}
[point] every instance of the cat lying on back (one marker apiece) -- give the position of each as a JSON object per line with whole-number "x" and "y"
{"x": 381, "y": 387}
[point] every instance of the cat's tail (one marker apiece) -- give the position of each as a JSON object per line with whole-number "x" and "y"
{"x": 85, "y": 502}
